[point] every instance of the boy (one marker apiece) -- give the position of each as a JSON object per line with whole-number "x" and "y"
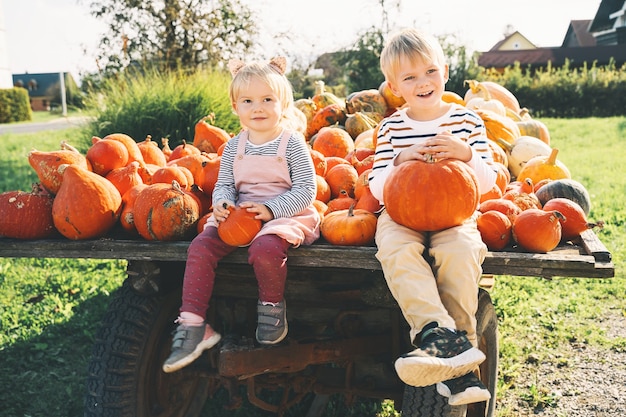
{"x": 438, "y": 298}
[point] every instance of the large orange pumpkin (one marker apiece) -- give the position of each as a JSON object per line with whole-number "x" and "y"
{"x": 87, "y": 204}
{"x": 430, "y": 196}
{"x": 240, "y": 227}
{"x": 165, "y": 212}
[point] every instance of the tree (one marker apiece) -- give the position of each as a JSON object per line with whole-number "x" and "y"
{"x": 172, "y": 33}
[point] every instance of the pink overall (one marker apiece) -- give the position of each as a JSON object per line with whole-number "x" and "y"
{"x": 258, "y": 178}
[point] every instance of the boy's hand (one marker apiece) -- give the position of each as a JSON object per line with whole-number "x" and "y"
{"x": 443, "y": 146}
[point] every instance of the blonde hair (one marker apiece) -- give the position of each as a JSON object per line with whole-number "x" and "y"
{"x": 274, "y": 77}
{"x": 411, "y": 44}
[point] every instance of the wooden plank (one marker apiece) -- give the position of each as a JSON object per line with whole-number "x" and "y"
{"x": 590, "y": 259}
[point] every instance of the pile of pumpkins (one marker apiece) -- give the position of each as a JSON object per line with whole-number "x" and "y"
{"x": 158, "y": 193}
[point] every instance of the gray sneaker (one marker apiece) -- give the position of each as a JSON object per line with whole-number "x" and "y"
{"x": 272, "y": 322}
{"x": 188, "y": 344}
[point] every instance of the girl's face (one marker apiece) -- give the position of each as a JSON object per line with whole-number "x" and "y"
{"x": 421, "y": 84}
{"x": 259, "y": 110}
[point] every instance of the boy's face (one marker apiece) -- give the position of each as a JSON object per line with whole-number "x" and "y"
{"x": 421, "y": 84}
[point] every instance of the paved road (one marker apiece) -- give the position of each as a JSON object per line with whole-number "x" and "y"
{"x": 56, "y": 124}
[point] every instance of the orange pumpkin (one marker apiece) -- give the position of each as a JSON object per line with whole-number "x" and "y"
{"x": 323, "y": 189}
{"x": 46, "y": 164}
{"x": 210, "y": 171}
{"x": 367, "y": 201}
{"x": 537, "y": 230}
{"x": 333, "y": 141}
{"x": 134, "y": 153}
{"x": 430, "y": 196}
{"x": 27, "y": 215}
{"x": 87, "y": 205}
{"x": 126, "y": 177}
{"x": 319, "y": 161}
{"x": 167, "y": 151}
{"x": 574, "y": 220}
{"x": 183, "y": 149}
{"x": 499, "y": 127}
{"x": 341, "y": 202}
{"x": 193, "y": 163}
{"x": 393, "y": 101}
{"x": 173, "y": 172}
{"x": 105, "y": 155}
{"x": 151, "y": 152}
{"x": 342, "y": 177}
{"x": 127, "y": 218}
{"x": 333, "y": 114}
{"x": 349, "y": 227}
{"x": 208, "y": 137}
{"x": 542, "y": 167}
{"x": 452, "y": 97}
{"x": 506, "y": 207}
{"x": 495, "y": 90}
{"x": 165, "y": 212}
{"x": 240, "y": 227}
{"x": 495, "y": 229}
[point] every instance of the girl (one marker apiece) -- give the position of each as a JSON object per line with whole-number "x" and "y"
{"x": 268, "y": 170}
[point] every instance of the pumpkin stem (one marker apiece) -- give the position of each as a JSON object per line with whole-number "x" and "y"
{"x": 351, "y": 210}
{"x": 506, "y": 145}
{"x": 552, "y": 158}
{"x": 66, "y": 146}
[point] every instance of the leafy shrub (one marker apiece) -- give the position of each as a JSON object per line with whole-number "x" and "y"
{"x": 14, "y": 105}
{"x": 161, "y": 104}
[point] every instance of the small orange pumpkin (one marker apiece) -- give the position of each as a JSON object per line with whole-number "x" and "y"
{"x": 134, "y": 153}
{"x": 183, "y": 149}
{"x": 342, "y": 177}
{"x": 542, "y": 167}
{"x": 341, "y": 202}
{"x": 151, "y": 152}
{"x": 208, "y": 137}
{"x": 240, "y": 227}
{"x": 105, "y": 155}
{"x": 46, "y": 164}
{"x": 349, "y": 227}
{"x": 333, "y": 141}
{"x": 127, "y": 218}
{"x": 330, "y": 115}
{"x": 125, "y": 177}
{"x": 506, "y": 207}
{"x": 495, "y": 229}
{"x": 574, "y": 220}
{"x": 537, "y": 230}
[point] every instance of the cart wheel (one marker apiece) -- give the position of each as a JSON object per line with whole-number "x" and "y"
{"x": 487, "y": 334}
{"x": 124, "y": 374}
{"x": 425, "y": 401}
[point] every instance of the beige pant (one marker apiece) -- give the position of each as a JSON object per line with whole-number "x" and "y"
{"x": 444, "y": 290}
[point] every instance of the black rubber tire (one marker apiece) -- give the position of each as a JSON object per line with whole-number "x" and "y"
{"x": 426, "y": 402}
{"x": 124, "y": 374}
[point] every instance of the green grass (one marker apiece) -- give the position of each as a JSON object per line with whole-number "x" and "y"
{"x": 50, "y": 308}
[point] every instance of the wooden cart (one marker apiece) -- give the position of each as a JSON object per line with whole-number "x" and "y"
{"x": 345, "y": 329}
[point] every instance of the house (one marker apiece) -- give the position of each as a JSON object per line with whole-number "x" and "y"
{"x": 601, "y": 40}
{"x": 44, "y": 89}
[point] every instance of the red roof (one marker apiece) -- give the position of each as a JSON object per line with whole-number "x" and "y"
{"x": 557, "y": 56}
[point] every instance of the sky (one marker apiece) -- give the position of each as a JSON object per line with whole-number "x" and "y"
{"x": 61, "y": 35}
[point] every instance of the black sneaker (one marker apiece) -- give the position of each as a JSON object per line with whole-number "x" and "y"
{"x": 466, "y": 389}
{"x": 272, "y": 322}
{"x": 443, "y": 354}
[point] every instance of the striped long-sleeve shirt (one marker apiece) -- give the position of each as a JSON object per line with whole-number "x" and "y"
{"x": 301, "y": 170}
{"x": 398, "y": 132}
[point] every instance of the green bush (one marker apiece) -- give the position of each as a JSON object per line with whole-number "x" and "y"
{"x": 588, "y": 91}
{"x": 161, "y": 104}
{"x": 14, "y": 105}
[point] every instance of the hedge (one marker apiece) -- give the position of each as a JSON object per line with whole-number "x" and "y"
{"x": 14, "y": 105}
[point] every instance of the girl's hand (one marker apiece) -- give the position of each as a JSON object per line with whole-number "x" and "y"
{"x": 261, "y": 210}
{"x": 220, "y": 210}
